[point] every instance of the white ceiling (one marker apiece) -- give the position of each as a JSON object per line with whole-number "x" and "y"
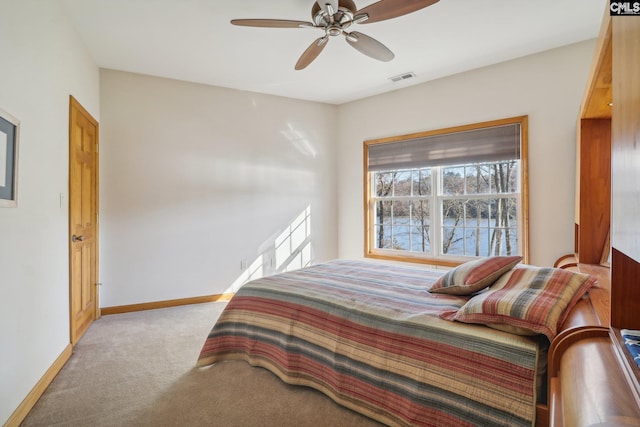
{"x": 192, "y": 40}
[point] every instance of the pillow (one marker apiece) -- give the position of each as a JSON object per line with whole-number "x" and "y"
{"x": 474, "y": 276}
{"x": 526, "y": 300}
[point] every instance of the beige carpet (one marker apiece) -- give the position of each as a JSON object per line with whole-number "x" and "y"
{"x": 137, "y": 369}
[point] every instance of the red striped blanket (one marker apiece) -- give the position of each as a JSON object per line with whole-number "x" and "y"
{"x": 368, "y": 335}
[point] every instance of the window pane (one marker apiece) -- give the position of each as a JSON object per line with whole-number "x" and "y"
{"x": 453, "y": 210}
{"x": 452, "y": 240}
{"x": 514, "y": 172}
{"x": 420, "y": 221}
{"x": 401, "y": 237}
{"x": 402, "y": 184}
{"x": 452, "y": 180}
{"x": 504, "y": 177}
{"x": 383, "y": 237}
{"x": 477, "y": 179}
{"x": 470, "y": 178}
{"x": 383, "y": 182}
{"x": 477, "y": 223}
{"x": 503, "y": 237}
{"x": 420, "y": 212}
{"x": 504, "y": 212}
{"x": 383, "y": 212}
{"x": 477, "y": 213}
{"x": 401, "y": 211}
{"x": 452, "y": 227}
{"x": 420, "y": 239}
{"x": 422, "y": 182}
{"x": 503, "y": 241}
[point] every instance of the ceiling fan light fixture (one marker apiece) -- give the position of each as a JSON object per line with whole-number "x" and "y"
{"x": 334, "y": 30}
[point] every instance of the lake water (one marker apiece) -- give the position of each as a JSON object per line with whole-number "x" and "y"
{"x": 463, "y": 239}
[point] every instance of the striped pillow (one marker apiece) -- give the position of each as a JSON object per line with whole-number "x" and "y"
{"x": 474, "y": 276}
{"x": 533, "y": 299}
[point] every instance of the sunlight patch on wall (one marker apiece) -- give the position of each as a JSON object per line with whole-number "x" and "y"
{"x": 254, "y": 271}
{"x": 299, "y": 140}
{"x": 287, "y": 251}
{"x": 293, "y": 245}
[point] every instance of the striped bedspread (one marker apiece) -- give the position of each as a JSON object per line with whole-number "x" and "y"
{"x": 368, "y": 335}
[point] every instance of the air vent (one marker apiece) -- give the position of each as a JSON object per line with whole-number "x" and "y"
{"x": 400, "y": 77}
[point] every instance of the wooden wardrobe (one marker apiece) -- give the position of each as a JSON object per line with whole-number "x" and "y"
{"x": 593, "y": 380}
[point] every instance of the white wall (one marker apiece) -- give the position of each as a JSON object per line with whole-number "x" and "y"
{"x": 42, "y": 64}
{"x": 196, "y": 179}
{"x": 548, "y": 87}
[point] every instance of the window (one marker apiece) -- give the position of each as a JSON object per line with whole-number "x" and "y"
{"x": 443, "y": 196}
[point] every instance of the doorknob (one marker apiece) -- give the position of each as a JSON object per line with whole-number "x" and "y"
{"x": 75, "y": 238}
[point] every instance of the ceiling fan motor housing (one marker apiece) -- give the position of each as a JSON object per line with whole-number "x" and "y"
{"x": 334, "y": 22}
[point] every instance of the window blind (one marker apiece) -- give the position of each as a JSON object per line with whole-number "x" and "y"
{"x": 490, "y": 144}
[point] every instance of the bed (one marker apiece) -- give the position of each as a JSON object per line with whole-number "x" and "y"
{"x": 400, "y": 344}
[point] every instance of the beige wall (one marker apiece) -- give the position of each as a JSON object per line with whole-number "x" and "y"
{"x": 547, "y": 87}
{"x": 195, "y": 180}
{"x": 42, "y": 64}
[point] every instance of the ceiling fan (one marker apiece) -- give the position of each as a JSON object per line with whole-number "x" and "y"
{"x": 334, "y": 17}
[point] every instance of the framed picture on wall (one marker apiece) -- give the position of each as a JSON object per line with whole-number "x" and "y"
{"x": 9, "y": 136}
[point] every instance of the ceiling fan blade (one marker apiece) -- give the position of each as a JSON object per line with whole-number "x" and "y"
{"x": 324, "y": 5}
{"x": 387, "y": 9}
{"x": 272, "y": 23}
{"x": 369, "y": 46}
{"x": 312, "y": 52}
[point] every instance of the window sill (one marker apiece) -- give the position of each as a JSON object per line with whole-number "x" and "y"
{"x": 418, "y": 259}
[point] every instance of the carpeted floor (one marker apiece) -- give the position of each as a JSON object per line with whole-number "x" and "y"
{"x": 137, "y": 369}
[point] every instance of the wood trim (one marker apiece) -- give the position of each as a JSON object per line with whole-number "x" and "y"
{"x": 164, "y": 304}
{"x": 598, "y": 94}
{"x": 416, "y": 259}
{"x": 524, "y": 176}
{"x": 367, "y": 191}
{"x": 38, "y": 390}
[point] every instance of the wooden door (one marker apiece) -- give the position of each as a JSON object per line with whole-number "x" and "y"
{"x": 83, "y": 219}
